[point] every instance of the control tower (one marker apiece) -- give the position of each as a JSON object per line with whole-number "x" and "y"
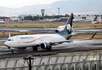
{"x": 42, "y": 11}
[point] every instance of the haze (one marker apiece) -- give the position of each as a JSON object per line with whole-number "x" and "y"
{"x": 22, "y": 3}
{"x": 19, "y": 7}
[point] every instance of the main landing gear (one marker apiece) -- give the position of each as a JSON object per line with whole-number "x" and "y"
{"x": 35, "y": 48}
{"x": 11, "y": 49}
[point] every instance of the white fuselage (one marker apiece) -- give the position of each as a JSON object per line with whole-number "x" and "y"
{"x": 32, "y": 40}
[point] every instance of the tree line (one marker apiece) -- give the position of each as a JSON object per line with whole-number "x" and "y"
{"x": 30, "y": 17}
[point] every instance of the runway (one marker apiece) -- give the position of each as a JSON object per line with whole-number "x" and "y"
{"x": 62, "y": 48}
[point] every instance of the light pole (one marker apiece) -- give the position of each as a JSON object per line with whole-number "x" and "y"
{"x": 29, "y": 58}
{"x": 58, "y": 11}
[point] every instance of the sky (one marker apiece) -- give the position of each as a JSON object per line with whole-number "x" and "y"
{"x": 22, "y": 3}
{"x": 16, "y": 7}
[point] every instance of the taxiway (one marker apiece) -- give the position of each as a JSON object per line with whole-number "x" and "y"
{"x": 62, "y": 48}
{"x": 48, "y": 30}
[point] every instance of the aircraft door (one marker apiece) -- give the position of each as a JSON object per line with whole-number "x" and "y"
{"x": 18, "y": 40}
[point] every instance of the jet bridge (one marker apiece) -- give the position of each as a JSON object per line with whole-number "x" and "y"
{"x": 65, "y": 61}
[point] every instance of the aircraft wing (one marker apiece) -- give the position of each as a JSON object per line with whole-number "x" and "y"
{"x": 85, "y": 40}
{"x": 60, "y": 42}
{"x": 91, "y": 40}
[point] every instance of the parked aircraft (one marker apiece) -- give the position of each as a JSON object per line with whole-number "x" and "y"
{"x": 45, "y": 41}
{"x": 79, "y": 30}
{"x": 61, "y": 28}
{"x": 96, "y": 20}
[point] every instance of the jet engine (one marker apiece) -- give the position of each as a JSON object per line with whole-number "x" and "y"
{"x": 45, "y": 46}
{"x": 61, "y": 28}
{"x": 57, "y": 31}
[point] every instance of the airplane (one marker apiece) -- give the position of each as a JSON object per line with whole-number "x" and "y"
{"x": 61, "y": 28}
{"x": 45, "y": 41}
{"x": 79, "y": 30}
{"x": 96, "y": 20}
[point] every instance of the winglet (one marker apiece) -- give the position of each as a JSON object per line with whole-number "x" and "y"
{"x": 93, "y": 35}
{"x": 95, "y": 19}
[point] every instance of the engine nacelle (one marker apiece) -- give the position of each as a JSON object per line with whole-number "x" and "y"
{"x": 57, "y": 31}
{"x": 61, "y": 28}
{"x": 45, "y": 45}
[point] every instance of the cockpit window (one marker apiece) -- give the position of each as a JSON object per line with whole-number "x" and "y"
{"x": 10, "y": 39}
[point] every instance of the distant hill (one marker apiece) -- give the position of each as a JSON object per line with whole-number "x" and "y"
{"x": 66, "y": 7}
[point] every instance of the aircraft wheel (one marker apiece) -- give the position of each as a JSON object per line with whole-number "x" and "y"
{"x": 35, "y": 48}
{"x": 24, "y": 47}
{"x": 12, "y": 51}
{"x": 49, "y": 49}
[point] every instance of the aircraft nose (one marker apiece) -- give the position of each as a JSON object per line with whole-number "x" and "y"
{"x": 6, "y": 44}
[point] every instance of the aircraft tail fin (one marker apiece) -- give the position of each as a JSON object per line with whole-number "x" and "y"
{"x": 66, "y": 32}
{"x": 69, "y": 20}
{"x": 95, "y": 19}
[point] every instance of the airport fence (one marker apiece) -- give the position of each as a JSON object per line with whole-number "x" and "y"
{"x": 75, "y": 61}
